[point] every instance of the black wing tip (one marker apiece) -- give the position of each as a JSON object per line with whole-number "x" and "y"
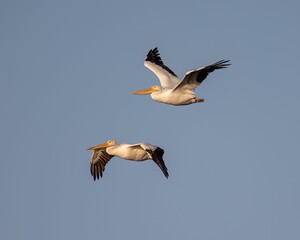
{"x": 158, "y": 159}
{"x": 224, "y": 63}
{"x": 154, "y": 56}
{"x": 96, "y": 171}
{"x": 154, "y": 50}
{"x": 165, "y": 172}
{"x": 97, "y": 164}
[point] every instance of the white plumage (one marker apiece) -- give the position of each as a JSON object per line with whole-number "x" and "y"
{"x": 172, "y": 90}
{"x": 102, "y": 153}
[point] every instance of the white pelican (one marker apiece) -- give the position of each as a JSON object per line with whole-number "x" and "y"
{"x": 136, "y": 152}
{"x": 172, "y": 90}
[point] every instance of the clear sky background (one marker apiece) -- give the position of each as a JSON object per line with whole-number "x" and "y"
{"x": 67, "y": 70}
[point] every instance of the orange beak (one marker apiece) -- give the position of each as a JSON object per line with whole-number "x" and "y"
{"x": 100, "y": 146}
{"x": 145, "y": 91}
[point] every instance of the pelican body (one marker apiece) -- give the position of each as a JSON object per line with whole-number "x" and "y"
{"x": 177, "y": 98}
{"x": 173, "y": 91}
{"x": 102, "y": 153}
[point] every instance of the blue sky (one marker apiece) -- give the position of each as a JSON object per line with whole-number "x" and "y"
{"x": 67, "y": 71}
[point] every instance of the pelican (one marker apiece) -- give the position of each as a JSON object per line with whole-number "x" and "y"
{"x": 172, "y": 90}
{"x": 102, "y": 153}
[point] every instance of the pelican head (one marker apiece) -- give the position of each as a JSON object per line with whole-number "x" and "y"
{"x": 109, "y": 143}
{"x": 150, "y": 90}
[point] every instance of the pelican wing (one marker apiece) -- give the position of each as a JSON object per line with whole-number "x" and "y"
{"x": 98, "y": 161}
{"x": 157, "y": 157}
{"x": 194, "y": 78}
{"x": 156, "y": 154}
{"x": 166, "y": 76}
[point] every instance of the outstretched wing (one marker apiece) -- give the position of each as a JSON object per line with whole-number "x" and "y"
{"x": 194, "y": 78}
{"x": 98, "y": 161}
{"x": 157, "y": 157}
{"x": 166, "y": 76}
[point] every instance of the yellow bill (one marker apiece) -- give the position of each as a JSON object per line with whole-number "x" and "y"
{"x": 146, "y": 91}
{"x": 100, "y": 146}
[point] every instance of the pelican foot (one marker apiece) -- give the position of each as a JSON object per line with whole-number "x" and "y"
{"x": 197, "y": 100}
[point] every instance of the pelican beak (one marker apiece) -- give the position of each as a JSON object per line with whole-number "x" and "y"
{"x": 100, "y": 146}
{"x": 145, "y": 91}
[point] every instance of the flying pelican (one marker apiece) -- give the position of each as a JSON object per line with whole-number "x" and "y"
{"x": 172, "y": 90}
{"x": 136, "y": 152}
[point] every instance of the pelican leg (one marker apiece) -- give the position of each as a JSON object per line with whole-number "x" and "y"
{"x": 197, "y": 100}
